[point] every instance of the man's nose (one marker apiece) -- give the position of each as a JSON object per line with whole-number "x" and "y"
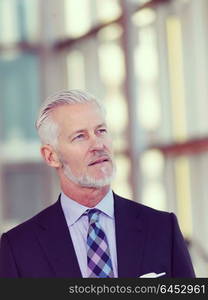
{"x": 96, "y": 143}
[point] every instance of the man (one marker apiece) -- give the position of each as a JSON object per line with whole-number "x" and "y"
{"x": 90, "y": 231}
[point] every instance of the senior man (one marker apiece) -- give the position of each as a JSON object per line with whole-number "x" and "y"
{"x": 90, "y": 231}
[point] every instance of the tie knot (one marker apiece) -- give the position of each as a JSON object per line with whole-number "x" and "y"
{"x": 93, "y": 215}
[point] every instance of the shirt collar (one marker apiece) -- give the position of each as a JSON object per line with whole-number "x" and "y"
{"x": 74, "y": 210}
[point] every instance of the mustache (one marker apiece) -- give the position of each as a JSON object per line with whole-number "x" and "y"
{"x": 97, "y": 154}
{"x": 101, "y": 154}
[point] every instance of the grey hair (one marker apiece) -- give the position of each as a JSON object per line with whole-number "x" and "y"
{"x": 46, "y": 126}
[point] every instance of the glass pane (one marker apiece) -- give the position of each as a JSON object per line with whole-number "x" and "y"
{"x": 148, "y": 109}
{"x": 153, "y": 190}
{"x": 146, "y": 67}
{"x": 152, "y": 164}
{"x": 117, "y": 118}
{"x": 111, "y": 32}
{"x": 144, "y": 17}
{"x": 121, "y": 182}
{"x": 23, "y": 191}
{"x": 75, "y": 70}
{"x": 199, "y": 194}
{"x": 9, "y": 32}
{"x": 31, "y": 12}
{"x": 19, "y": 20}
{"x": 77, "y": 17}
{"x": 111, "y": 54}
{"x": 112, "y": 75}
{"x": 20, "y": 88}
{"x": 183, "y": 190}
{"x": 153, "y": 195}
{"x": 108, "y": 10}
{"x": 176, "y": 73}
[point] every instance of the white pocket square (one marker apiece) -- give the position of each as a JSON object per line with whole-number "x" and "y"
{"x": 152, "y": 275}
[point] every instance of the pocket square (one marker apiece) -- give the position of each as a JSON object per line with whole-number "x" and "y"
{"x": 152, "y": 275}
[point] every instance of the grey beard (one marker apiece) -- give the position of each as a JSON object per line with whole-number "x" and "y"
{"x": 87, "y": 181}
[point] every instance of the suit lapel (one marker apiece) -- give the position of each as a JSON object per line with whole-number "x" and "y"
{"x": 130, "y": 237}
{"x": 55, "y": 239}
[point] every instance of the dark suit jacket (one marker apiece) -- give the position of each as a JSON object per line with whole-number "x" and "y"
{"x": 147, "y": 241}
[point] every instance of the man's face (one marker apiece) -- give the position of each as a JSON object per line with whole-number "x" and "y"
{"x": 84, "y": 144}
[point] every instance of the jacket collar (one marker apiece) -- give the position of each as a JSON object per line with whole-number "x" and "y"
{"x": 130, "y": 237}
{"x": 53, "y": 235}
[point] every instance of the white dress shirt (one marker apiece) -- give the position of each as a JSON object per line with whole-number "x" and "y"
{"x": 78, "y": 227}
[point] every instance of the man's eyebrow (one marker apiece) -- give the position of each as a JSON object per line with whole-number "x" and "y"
{"x": 83, "y": 130}
{"x": 101, "y": 125}
{"x": 76, "y": 132}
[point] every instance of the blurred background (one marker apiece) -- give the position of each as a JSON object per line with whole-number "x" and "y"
{"x": 148, "y": 62}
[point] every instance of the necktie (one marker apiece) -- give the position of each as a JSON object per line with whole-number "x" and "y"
{"x": 98, "y": 255}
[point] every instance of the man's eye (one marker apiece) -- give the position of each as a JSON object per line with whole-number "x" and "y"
{"x": 102, "y": 130}
{"x": 78, "y": 137}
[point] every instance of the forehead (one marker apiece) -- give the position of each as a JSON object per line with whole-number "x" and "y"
{"x": 78, "y": 116}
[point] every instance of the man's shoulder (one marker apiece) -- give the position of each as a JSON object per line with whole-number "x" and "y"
{"x": 28, "y": 225}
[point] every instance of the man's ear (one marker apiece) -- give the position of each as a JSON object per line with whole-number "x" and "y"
{"x": 50, "y": 156}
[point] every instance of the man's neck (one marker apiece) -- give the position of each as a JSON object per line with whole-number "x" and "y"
{"x": 89, "y": 197}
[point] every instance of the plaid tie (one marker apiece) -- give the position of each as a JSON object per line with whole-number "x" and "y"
{"x": 98, "y": 255}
